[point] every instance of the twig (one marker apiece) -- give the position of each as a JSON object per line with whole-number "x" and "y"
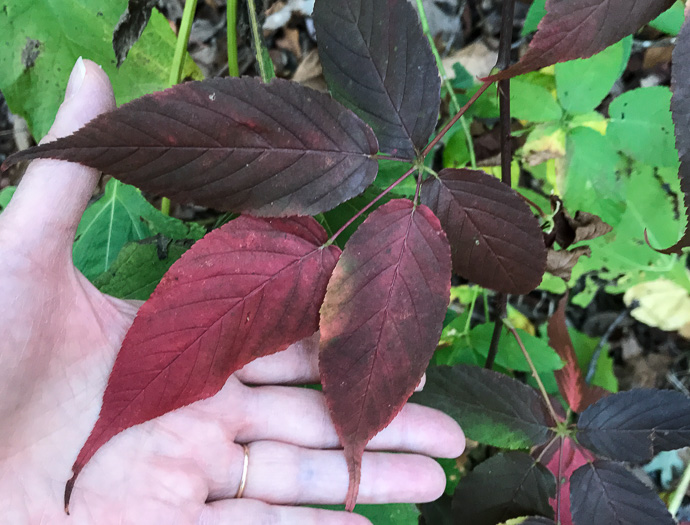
{"x": 533, "y": 369}
{"x": 371, "y": 203}
{"x": 592, "y": 367}
{"x": 457, "y": 117}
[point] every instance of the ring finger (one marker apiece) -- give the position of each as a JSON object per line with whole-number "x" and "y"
{"x": 285, "y": 474}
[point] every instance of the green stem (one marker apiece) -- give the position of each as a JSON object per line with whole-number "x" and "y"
{"x": 182, "y": 41}
{"x": 454, "y": 103}
{"x": 178, "y": 63}
{"x": 266, "y": 74}
{"x": 679, "y": 494}
{"x": 233, "y": 65}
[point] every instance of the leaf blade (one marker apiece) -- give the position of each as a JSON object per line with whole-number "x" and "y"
{"x": 635, "y": 425}
{"x": 571, "y": 382}
{"x": 496, "y": 242}
{"x": 381, "y": 66}
{"x": 507, "y": 485}
{"x": 380, "y": 322}
{"x": 203, "y": 346}
{"x": 581, "y": 28}
{"x": 484, "y": 401}
{"x": 234, "y": 144}
{"x": 605, "y": 493}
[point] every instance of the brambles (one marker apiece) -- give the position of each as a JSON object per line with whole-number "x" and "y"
{"x": 279, "y": 153}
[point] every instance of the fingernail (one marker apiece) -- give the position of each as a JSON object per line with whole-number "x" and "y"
{"x": 76, "y": 79}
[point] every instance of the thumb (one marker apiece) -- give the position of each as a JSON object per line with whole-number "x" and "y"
{"x": 51, "y": 198}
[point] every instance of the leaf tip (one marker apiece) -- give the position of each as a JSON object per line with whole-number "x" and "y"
{"x": 69, "y": 486}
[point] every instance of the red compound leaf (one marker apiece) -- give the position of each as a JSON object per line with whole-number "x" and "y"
{"x": 248, "y": 289}
{"x": 380, "y": 322}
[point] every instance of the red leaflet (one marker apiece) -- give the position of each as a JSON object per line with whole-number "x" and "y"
{"x": 571, "y": 383}
{"x": 566, "y": 459}
{"x": 680, "y": 108}
{"x": 380, "y": 322}
{"x": 496, "y": 242}
{"x": 248, "y": 289}
{"x": 581, "y": 28}
{"x": 234, "y": 144}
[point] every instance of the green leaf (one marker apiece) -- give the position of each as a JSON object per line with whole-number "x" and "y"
{"x": 623, "y": 256}
{"x": 390, "y": 514}
{"x": 463, "y": 79}
{"x": 139, "y": 267}
{"x": 591, "y": 180}
{"x": 536, "y": 12}
{"x": 120, "y": 216}
{"x": 529, "y": 101}
{"x": 671, "y": 20}
{"x": 583, "y": 84}
{"x": 509, "y": 353}
{"x": 491, "y": 408}
{"x": 456, "y": 153}
{"x": 40, "y": 40}
{"x": 642, "y": 127}
{"x": 392, "y": 170}
{"x": 5, "y": 196}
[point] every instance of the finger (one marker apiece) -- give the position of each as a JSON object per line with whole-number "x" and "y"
{"x": 300, "y": 416}
{"x": 53, "y": 194}
{"x": 288, "y": 475}
{"x": 298, "y": 364}
{"x": 252, "y": 512}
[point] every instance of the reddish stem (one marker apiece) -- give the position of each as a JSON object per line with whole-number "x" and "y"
{"x": 364, "y": 210}
{"x": 457, "y": 116}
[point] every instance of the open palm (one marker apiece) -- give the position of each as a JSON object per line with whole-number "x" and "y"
{"x": 60, "y": 338}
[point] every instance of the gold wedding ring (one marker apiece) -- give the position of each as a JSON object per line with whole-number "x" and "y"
{"x": 245, "y": 467}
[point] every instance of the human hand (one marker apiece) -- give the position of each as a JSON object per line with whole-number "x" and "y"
{"x": 59, "y": 339}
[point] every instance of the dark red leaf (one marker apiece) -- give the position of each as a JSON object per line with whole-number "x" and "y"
{"x": 233, "y": 144}
{"x": 581, "y": 28}
{"x": 491, "y": 408}
{"x": 505, "y": 486}
{"x": 636, "y": 425}
{"x": 571, "y": 382}
{"x": 381, "y": 321}
{"x": 680, "y": 109}
{"x": 537, "y": 520}
{"x": 496, "y": 242}
{"x": 378, "y": 62}
{"x": 248, "y": 289}
{"x": 605, "y": 493}
{"x": 566, "y": 457}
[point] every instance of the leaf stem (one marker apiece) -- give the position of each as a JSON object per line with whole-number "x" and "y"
{"x": 544, "y": 394}
{"x": 371, "y": 203}
{"x": 178, "y": 63}
{"x": 679, "y": 494}
{"x": 381, "y": 156}
{"x": 233, "y": 64}
{"x": 266, "y": 74}
{"x": 457, "y": 117}
{"x": 455, "y": 105}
